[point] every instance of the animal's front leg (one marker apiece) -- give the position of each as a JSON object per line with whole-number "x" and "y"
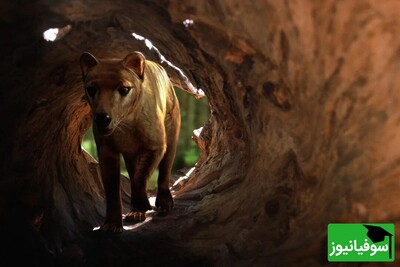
{"x": 110, "y": 174}
{"x": 140, "y": 171}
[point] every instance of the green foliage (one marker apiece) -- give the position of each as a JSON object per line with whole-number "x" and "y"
{"x": 194, "y": 113}
{"x": 191, "y": 156}
{"x": 89, "y": 145}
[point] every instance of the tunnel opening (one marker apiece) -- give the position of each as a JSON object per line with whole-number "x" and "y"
{"x": 194, "y": 111}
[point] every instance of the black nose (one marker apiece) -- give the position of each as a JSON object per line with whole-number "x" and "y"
{"x": 102, "y": 120}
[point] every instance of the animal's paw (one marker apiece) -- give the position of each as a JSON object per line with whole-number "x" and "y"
{"x": 114, "y": 228}
{"x": 164, "y": 201}
{"x": 135, "y": 216}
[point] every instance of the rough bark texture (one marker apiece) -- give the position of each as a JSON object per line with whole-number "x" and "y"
{"x": 304, "y": 129}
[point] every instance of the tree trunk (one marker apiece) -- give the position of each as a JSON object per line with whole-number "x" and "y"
{"x": 304, "y": 129}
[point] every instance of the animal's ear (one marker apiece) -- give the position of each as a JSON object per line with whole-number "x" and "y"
{"x": 135, "y": 62}
{"x": 87, "y": 61}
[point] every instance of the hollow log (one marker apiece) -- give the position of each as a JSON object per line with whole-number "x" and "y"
{"x": 304, "y": 129}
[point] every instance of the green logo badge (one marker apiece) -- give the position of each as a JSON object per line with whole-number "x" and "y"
{"x": 360, "y": 242}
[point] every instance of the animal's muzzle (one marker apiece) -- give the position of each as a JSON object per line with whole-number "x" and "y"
{"x": 102, "y": 120}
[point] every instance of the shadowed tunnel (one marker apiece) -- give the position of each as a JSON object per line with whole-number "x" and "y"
{"x": 304, "y": 129}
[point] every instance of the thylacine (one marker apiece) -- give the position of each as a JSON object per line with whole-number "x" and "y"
{"x": 136, "y": 114}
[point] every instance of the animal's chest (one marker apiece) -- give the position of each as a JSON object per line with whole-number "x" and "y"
{"x": 131, "y": 140}
{"x": 126, "y": 141}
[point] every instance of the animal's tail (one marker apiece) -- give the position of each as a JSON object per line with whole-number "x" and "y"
{"x": 187, "y": 87}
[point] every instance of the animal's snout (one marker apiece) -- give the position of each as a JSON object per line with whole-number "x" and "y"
{"x": 102, "y": 120}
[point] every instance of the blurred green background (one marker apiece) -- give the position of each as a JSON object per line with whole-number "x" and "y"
{"x": 194, "y": 113}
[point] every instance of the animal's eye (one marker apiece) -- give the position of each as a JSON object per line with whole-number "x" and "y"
{"x": 124, "y": 90}
{"x": 91, "y": 91}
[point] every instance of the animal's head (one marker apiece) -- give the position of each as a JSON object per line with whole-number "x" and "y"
{"x": 112, "y": 87}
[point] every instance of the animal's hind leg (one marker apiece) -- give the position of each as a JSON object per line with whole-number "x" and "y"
{"x": 164, "y": 199}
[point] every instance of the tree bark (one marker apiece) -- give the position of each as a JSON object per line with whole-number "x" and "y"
{"x": 304, "y": 129}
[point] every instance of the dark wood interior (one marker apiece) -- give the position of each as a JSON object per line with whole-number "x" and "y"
{"x": 304, "y": 129}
